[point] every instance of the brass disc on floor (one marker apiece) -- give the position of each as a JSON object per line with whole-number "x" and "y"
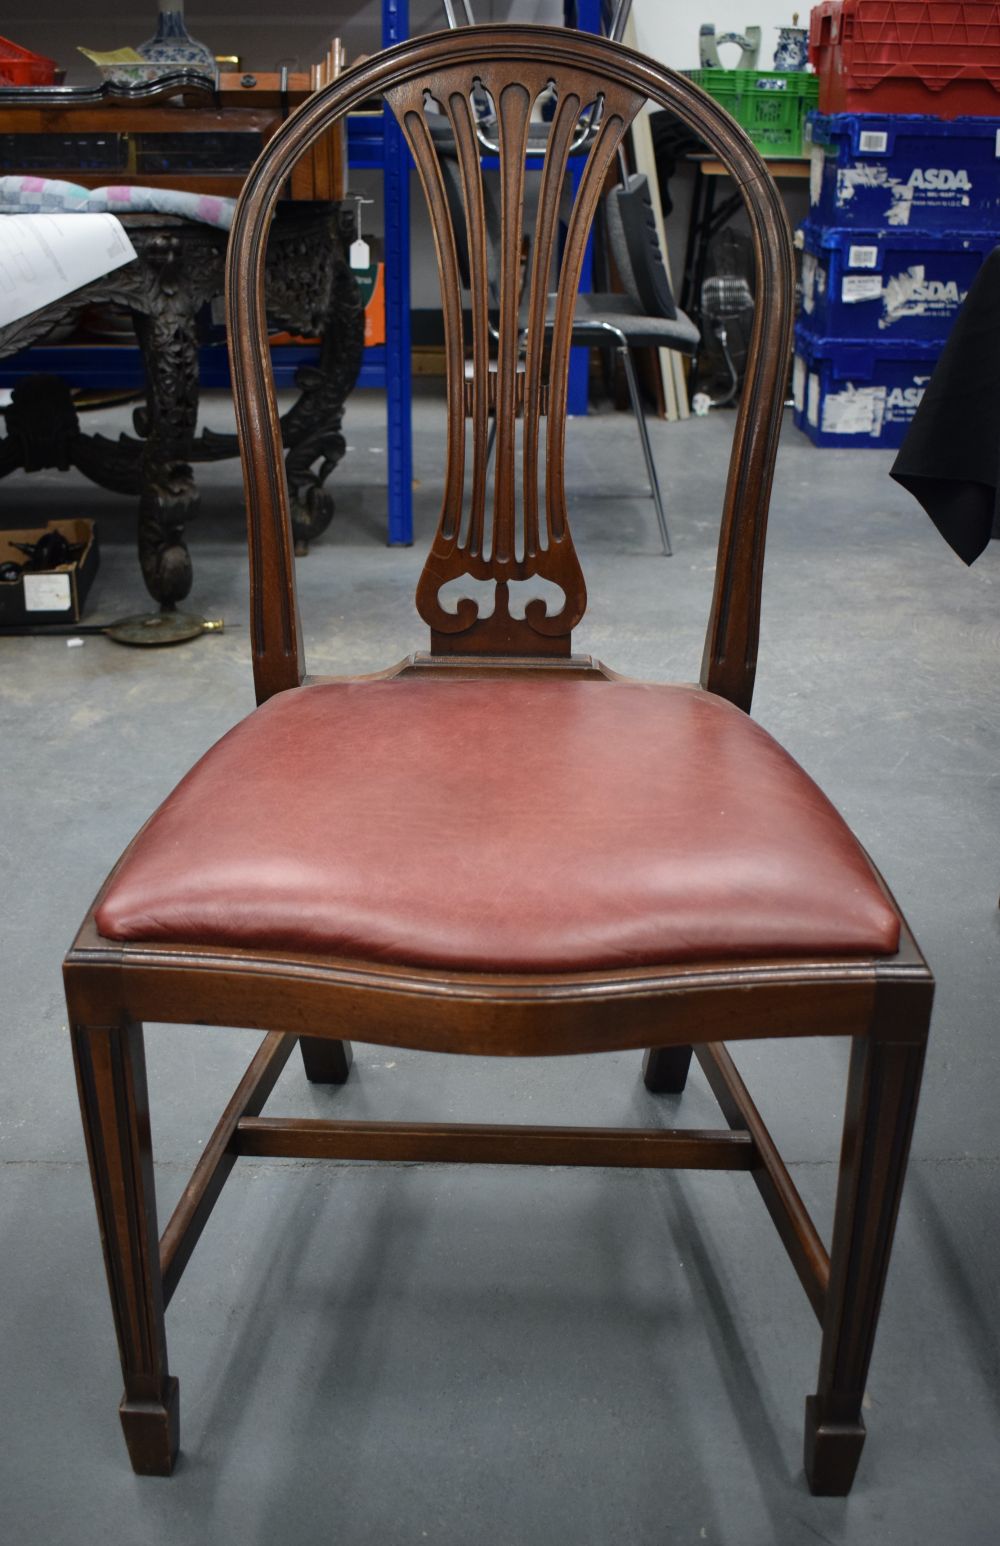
{"x": 150, "y": 628}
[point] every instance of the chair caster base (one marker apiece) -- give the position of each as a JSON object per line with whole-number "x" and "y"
{"x": 832, "y": 1452}
{"x": 152, "y": 1431}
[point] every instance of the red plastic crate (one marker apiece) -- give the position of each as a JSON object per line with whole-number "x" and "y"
{"x": 939, "y": 57}
{"x": 20, "y": 67}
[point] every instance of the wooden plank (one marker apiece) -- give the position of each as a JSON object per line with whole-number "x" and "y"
{"x": 673, "y": 366}
{"x": 777, "y": 168}
{"x": 484, "y": 1144}
{"x": 220, "y": 1155}
{"x": 798, "y": 1233}
{"x": 105, "y": 118}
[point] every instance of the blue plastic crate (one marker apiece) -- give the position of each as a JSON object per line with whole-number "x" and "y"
{"x": 874, "y": 169}
{"x": 858, "y": 392}
{"x": 876, "y": 284}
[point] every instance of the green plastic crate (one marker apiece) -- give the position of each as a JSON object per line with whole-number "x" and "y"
{"x": 771, "y": 105}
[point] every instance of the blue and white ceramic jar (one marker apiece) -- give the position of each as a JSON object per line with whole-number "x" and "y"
{"x": 792, "y": 52}
{"x": 173, "y": 47}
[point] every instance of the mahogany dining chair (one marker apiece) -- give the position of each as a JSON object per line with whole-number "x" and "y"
{"x": 521, "y": 853}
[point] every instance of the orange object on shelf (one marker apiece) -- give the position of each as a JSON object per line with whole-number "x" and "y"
{"x": 372, "y": 282}
{"x": 20, "y": 67}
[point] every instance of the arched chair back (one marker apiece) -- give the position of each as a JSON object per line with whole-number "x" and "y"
{"x": 515, "y": 532}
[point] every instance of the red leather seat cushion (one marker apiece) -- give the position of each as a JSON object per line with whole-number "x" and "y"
{"x": 511, "y": 826}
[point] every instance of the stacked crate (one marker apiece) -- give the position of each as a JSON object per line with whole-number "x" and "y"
{"x": 903, "y": 209}
{"x": 771, "y": 105}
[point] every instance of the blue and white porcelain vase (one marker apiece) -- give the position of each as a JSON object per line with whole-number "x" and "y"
{"x": 173, "y": 47}
{"x": 792, "y": 52}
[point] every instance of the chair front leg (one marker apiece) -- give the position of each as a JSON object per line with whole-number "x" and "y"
{"x": 111, "y": 1076}
{"x": 883, "y": 1088}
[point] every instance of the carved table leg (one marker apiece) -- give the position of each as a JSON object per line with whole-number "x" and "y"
{"x": 42, "y": 427}
{"x": 43, "y": 431}
{"x": 312, "y": 427}
{"x": 168, "y": 338}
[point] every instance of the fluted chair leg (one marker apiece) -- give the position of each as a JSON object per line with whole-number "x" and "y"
{"x": 111, "y": 1076}
{"x": 882, "y": 1096}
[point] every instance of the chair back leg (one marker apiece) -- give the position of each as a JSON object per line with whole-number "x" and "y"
{"x": 665, "y": 1069}
{"x": 326, "y": 1062}
{"x": 111, "y": 1077}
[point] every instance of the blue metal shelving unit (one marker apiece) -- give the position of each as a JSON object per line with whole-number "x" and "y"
{"x": 398, "y": 366}
{"x": 585, "y": 15}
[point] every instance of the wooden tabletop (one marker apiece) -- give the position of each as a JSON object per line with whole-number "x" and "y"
{"x": 790, "y": 166}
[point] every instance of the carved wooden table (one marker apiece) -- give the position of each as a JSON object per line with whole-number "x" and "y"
{"x": 188, "y": 133}
{"x": 180, "y": 267}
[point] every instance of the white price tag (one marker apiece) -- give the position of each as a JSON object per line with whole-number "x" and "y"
{"x": 872, "y": 143}
{"x": 808, "y": 281}
{"x": 46, "y": 593}
{"x": 817, "y": 161}
{"x": 360, "y": 254}
{"x": 862, "y": 257}
{"x": 799, "y": 383}
{"x": 861, "y": 287}
{"x": 812, "y": 400}
{"x": 855, "y": 411}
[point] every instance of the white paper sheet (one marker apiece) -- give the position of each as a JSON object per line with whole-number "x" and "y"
{"x": 43, "y": 257}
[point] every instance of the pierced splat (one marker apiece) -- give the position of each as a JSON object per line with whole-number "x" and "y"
{"x": 517, "y": 536}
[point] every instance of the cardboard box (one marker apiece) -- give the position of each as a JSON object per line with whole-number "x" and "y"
{"x": 56, "y": 595}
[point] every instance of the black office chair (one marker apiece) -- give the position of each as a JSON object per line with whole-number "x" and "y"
{"x": 645, "y": 315}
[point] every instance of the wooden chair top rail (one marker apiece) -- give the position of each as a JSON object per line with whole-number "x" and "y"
{"x": 515, "y": 540}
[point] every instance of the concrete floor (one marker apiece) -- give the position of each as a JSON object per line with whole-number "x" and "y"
{"x": 408, "y": 1354}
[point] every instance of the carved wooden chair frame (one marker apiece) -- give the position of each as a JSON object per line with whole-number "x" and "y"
{"x": 882, "y": 1004}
